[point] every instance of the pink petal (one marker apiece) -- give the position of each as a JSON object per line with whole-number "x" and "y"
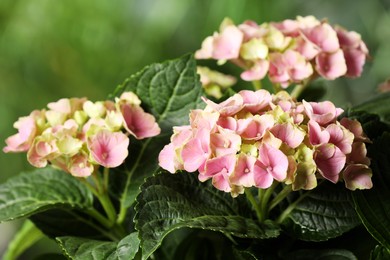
{"x": 228, "y": 107}
{"x": 288, "y": 133}
{"x": 21, "y": 141}
{"x": 109, "y": 149}
{"x": 358, "y": 154}
{"x": 255, "y": 100}
{"x": 167, "y": 158}
{"x": 257, "y": 71}
{"x": 227, "y": 44}
{"x": 62, "y": 106}
{"x": 271, "y": 164}
{"x": 340, "y": 137}
{"x": 331, "y": 65}
{"x": 139, "y": 123}
{"x": 357, "y": 176}
{"x": 196, "y": 151}
{"x": 243, "y": 173}
{"x": 324, "y": 36}
{"x": 322, "y": 112}
{"x": 306, "y": 48}
{"x": 207, "y": 49}
{"x": 316, "y": 134}
{"x": 261, "y": 176}
{"x": 254, "y": 128}
{"x": 355, "y": 60}
{"x": 330, "y": 161}
{"x": 227, "y": 123}
{"x": 225, "y": 142}
{"x": 220, "y": 168}
{"x": 79, "y": 166}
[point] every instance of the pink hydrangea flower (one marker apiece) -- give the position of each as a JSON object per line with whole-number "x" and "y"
{"x": 254, "y": 138}
{"x": 271, "y": 164}
{"x": 21, "y": 141}
{"x": 289, "y": 51}
{"x": 108, "y": 149}
{"x": 76, "y": 135}
{"x": 139, "y": 123}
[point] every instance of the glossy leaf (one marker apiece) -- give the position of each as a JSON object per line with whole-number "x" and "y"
{"x": 373, "y": 206}
{"x": 42, "y": 189}
{"x": 167, "y": 90}
{"x": 378, "y": 105}
{"x": 68, "y": 222}
{"x": 168, "y": 202}
{"x": 323, "y": 254}
{"x": 380, "y": 253}
{"x": 87, "y": 249}
{"x": 325, "y": 212}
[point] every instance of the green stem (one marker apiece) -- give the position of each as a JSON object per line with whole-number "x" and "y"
{"x": 123, "y": 208}
{"x": 255, "y": 205}
{"x": 100, "y": 218}
{"x": 108, "y": 207}
{"x": 106, "y": 178}
{"x": 290, "y": 208}
{"x": 281, "y": 196}
{"x": 276, "y": 88}
{"x": 297, "y": 91}
{"x": 267, "y": 195}
{"x": 257, "y": 84}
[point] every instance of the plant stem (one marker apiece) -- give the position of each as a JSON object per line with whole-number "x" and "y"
{"x": 276, "y": 88}
{"x": 99, "y": 217}
{"x": 255, "y": 205}
{"x": 106, "y": 178}
{"x": 267, "y": 195}
{"x": 257, "y": 84}
{"x": 290, "y": 208}
{"x": 281, "y": 196}
{"x": 108, "y": 207}
{"x": 297, "y": 91}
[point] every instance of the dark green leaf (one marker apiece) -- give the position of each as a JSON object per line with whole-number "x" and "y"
{"x": 168, "y": 202}
{"x": 50, "y": 256}
{"x": 325, "y": 212}
{"x": 378, "y": 105}
{"x": 380, "y": 253}
{"x": 68, "y": 222}
{"x": 42, "y": 189}
{"x": 85, "y": 249}
{"x": 167, "y": 90}
{"x": 373, "y": 206}
{"x": 324, "y": 254}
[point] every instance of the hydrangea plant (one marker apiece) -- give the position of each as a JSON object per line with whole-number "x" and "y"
{"x": 261, "y": 172}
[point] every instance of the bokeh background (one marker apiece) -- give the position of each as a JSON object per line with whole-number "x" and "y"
{"x": 55, "y": 49}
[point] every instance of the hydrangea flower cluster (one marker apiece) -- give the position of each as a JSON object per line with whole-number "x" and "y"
{"x": 78, "y": 135}
{"x": 291, "y": 51}
{"x": 254, "y": 138}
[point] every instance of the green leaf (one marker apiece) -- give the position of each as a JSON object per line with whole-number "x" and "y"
{"x": 87, "y": 249}
{"x": 325, "y": 212}
{"x": 169, "y": 91}
{"x": 42, "y": 189}
{"x": 380, "y": 253}
{"x": 378, "y": 105}
{"x": 171, "y": 201}
{"x": 26, "y": 237}
{"x": 373, "y": 206}
{"x": 323, "y": 254}
{"x": 69, "y": 222}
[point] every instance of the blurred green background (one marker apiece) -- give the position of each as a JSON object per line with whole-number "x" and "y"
{"x": 55, "y": 49}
